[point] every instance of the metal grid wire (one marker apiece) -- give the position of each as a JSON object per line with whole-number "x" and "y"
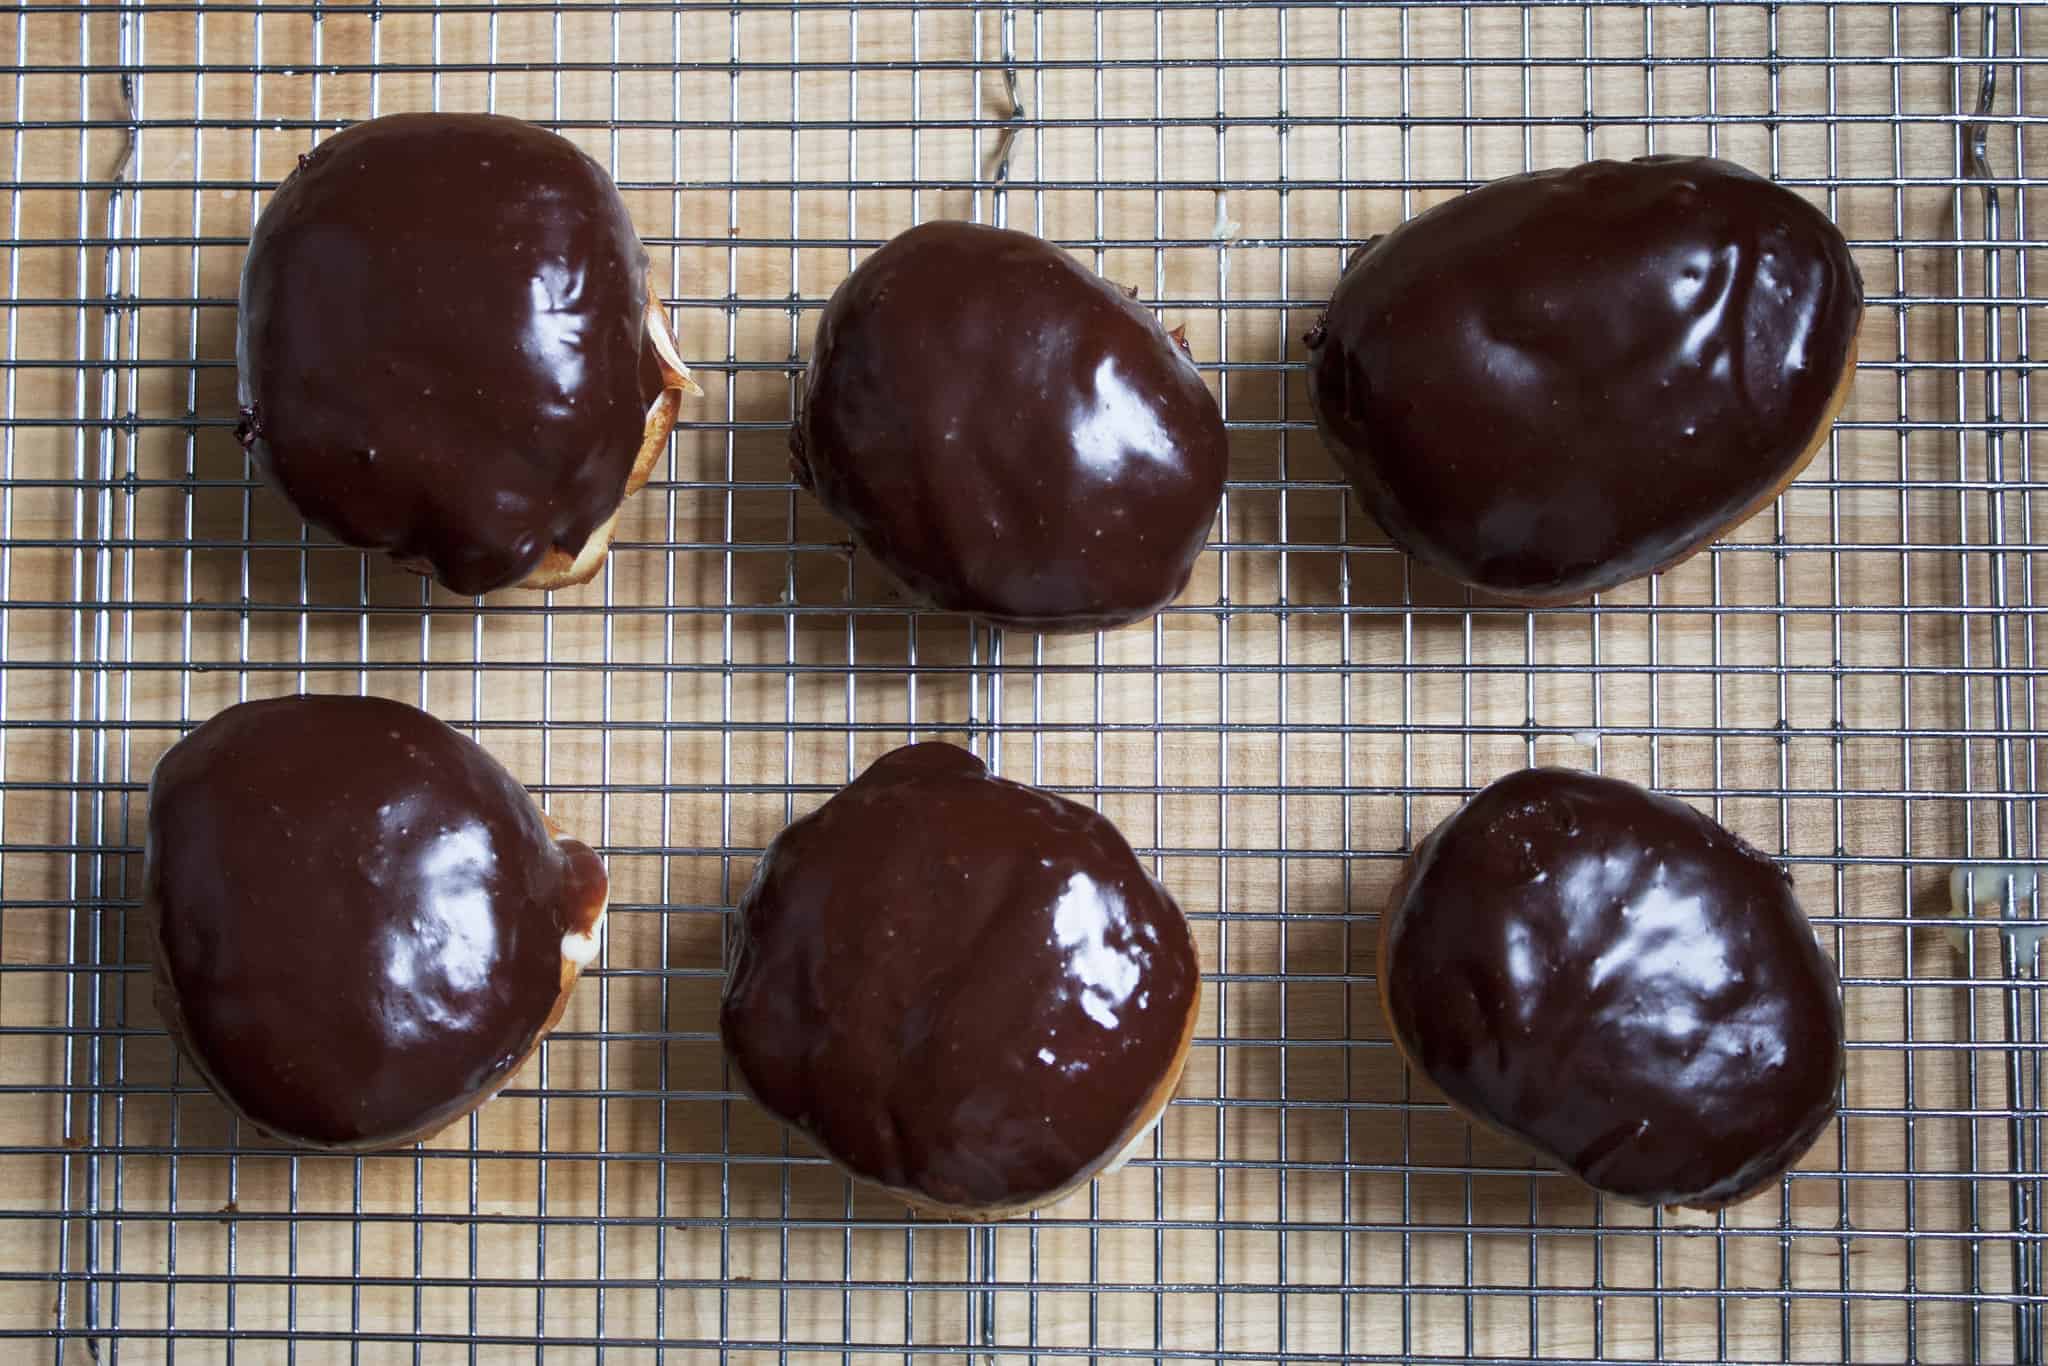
{"x": 1848, "y": 680}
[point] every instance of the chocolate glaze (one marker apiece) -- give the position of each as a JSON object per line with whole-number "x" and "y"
{"x": 443, "y": 343}
{"x": 1573, "y": 378}
{"x": 359, "y": 915}
{"x": 1619, "y": 982}
{"x": 961, "y": 988}
{"x": 1008, "y": 434}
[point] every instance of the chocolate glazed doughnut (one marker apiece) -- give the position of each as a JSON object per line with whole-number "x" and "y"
{"x": 1565, "y": 380}
{"x": 1620, "y": 983}
{"x": 448, "y": 349}
{"x": 1011, "y": 436}
{"x": 363, "y": 924}
{"x": 965, "y": 990}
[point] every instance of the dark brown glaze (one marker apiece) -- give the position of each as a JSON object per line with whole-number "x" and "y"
{"x": 1617, "y": 981}
{"x": 443, "y": 343}
{"x": 1569, "y": 379}
{"x": 359, "y": 916}
{"x": 963, "y": 989}
{"x": 1010, "y": 435}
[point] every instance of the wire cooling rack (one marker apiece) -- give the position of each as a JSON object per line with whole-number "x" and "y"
{"x": 1848, "y": 680}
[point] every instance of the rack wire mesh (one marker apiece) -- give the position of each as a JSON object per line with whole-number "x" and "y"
{"x": 1849, "y": 680}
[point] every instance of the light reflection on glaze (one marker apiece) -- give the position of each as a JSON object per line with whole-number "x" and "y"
{"x": 359, "y": 914}
{"x": 960, "y": 987}
{"x": 1091, "y": 926}
{"x": 1008, "y": 434}
{"x": 557, "y": 333}
{"x": 1118, "y": 426}
{"x": 437, "y": 964}
{"x": 442, "y": 343}
{"x": 1569, "y": 379}
{"x": 1619, "y": 982}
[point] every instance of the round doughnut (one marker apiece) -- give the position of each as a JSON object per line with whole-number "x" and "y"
{"x": 1569, "y": 379}
{"x": 448, "y": 349}
{"x": 1618, "y": 982}
{"x": 1008, "y": 434}
{"x": 964, "y": 990}
{"x": 362, "y": 923}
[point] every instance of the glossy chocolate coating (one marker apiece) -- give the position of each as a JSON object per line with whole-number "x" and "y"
{"x": 1009, "y": 434}
{"x": 1619, "y": 982}
{"x": 961, "y": 988}
{"x": 359, "y": 915}
{"x": 443, "y": 343}
{"x": 1569, "y": 379}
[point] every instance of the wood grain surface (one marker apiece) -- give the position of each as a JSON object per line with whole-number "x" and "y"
{"x": 1847, "y": 680}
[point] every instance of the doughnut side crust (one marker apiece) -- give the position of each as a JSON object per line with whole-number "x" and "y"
{"x": 560, "y": 568}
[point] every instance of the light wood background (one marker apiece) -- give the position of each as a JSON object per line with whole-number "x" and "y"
{"x": 1848, "y": 680}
